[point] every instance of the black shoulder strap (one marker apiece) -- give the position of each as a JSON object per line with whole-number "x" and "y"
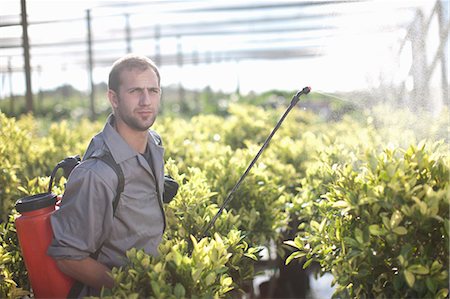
{"x": 108, "y": 159}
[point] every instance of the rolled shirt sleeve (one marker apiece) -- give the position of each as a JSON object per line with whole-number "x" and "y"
{"x": 84, "y": 219}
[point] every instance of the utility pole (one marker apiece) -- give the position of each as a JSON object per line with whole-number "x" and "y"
{"x": 419, "y": 69}
{"x": 11, "y": 93}
{"x": 443, "y": 34}
{"x": 90, "y": 64}
{"x": 157, "y": 45}
{"x": 26, "y": 56}
{"x": 128, "y": 33}
{"x": 181, "y": 93}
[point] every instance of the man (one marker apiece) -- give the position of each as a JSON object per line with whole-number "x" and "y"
{"x": 85, "y": 221}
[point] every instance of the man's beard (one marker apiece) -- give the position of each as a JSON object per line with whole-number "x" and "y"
{"x": 135, "y": 124}
{"x": 133, "y": 121}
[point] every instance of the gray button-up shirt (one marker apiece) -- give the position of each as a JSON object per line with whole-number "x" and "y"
{"x": 85, "y": 219}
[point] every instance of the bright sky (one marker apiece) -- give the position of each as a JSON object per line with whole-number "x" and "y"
{"x": 362, "y": 48}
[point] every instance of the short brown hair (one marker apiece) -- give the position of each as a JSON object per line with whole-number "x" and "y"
{"x": 129, "y": 62}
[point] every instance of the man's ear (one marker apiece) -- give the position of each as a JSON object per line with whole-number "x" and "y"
{"x": 113, "y": 99}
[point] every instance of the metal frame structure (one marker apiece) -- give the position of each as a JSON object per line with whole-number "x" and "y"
{"x": 292, "y": 29}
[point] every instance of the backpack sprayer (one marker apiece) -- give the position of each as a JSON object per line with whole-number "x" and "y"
{"x": 294, "y": 102}
{"x": 35, "y": 234}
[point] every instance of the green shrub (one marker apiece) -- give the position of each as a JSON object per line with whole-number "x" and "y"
{"x": 259, "y": 201}
{"x": 26, "y": 154}
{"x": 14, "y": 144}
{"x": 179, "y": 272}
{"x": 13, "y": 275}
{"x": 382, "y": 227}
{"x": 215, "y": 267}
{"x": 371, "y": 212}
{"x": 192, "y": 208}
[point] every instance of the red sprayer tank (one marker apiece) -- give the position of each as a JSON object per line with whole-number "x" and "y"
{"x": 35, "y": 235}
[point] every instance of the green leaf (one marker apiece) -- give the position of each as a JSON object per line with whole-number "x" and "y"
{"x": 375, "y": 230}
{"x": 251, "y": 256}
{"x": 359, "y": 236}
{"x": 210, "y": 278}
{"x": 196, "y": 273}
{"x": 291, "y": 243}
{"x": 145, "y": 261}
{"x": 396, "y": 218}
{"x": 140, "y": 255}
{"x": 340, "y": 204}
{"x": 431, "y": 285}
{"x": 418, "y": 269}
{"x": 402, "y": 260}
{"x": 133, "y": 296}
{"x": 307, "y": 263}
{"x": 386, "y": 222}
{"x": 422, "y": 207}
{"x": 227, "y": 281}
{"x": 352, "y": 242}
{"x": 22, "y": 189}
{"x": 338, "y": 233}
{"x": 400, "y": 230}
{"x": 443, "y": 293}
{"x": 155, "y": 288}
{"x": 179, "y": 291}
{"x": 314, "y": 225}
{"x": 322, "y": 224}
{"x": 410, "y": 278}
{"x": 447, "y": 227}
{"x": 435, "y": 267}
{"x": 294, "y": 255}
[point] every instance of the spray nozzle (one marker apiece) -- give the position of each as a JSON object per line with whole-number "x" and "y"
{"x": 296, "y": 98}
{"x": 306, "y": 90}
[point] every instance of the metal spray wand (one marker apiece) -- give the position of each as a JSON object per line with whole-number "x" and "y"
{"x": 294, "y": 102}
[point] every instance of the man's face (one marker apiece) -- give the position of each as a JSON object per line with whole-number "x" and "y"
{"x": 137, "y": 102}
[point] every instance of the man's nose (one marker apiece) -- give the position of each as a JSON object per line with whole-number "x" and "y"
{"x": 145, "y": 98}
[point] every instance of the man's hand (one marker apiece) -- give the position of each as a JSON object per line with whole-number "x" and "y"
{"x": 87, "y": 271}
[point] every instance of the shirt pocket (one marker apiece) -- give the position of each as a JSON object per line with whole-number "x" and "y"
{"x": 141, "y": 216}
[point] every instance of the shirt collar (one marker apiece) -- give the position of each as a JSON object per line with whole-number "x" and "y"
{"x": 119, "y": 148}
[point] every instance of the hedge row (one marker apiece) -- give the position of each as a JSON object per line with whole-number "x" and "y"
{"x": 365, "y": 208}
